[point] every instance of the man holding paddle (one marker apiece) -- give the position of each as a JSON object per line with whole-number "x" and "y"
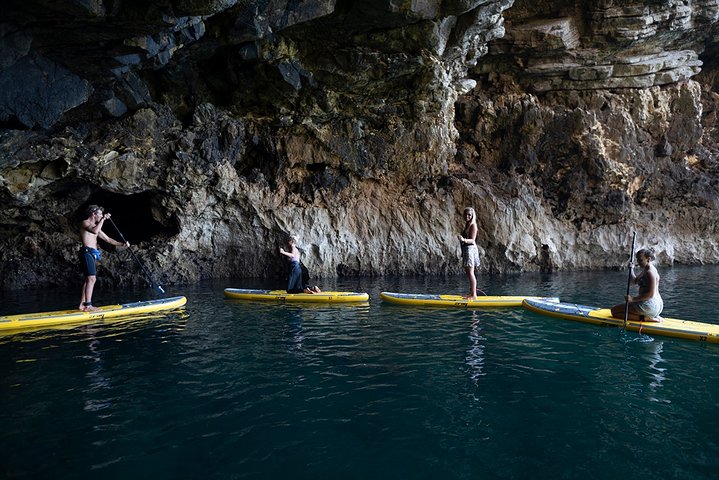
{"x": 90, "y": 230}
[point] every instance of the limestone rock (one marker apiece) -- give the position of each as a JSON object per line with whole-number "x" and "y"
{"x": 632, "y": 45}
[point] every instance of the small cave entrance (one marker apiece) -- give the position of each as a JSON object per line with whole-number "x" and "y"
{"x": 140, "y": 216}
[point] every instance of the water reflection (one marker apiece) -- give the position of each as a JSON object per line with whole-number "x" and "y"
{"x": 97, "y": 379}
{"x": 475, "y": 353}
{"x": 645, "y": 364}
{"x": 655, "y": 370}
{"x": 295, "y": 331}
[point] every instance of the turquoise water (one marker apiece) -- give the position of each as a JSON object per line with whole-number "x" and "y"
{"x": 232, "y": 390}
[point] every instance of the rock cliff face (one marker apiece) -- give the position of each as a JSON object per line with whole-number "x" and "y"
{"x": 213, "y": 129}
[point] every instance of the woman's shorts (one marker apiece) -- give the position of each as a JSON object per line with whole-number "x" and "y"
{"x": 650, "y": 308}
{"x": 470, "y": 256}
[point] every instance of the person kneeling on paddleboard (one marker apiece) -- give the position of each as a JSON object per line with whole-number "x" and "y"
{"x": 648, "y": 304}
{"x": 299, "y": 277}
{"x": 90, "y": 230}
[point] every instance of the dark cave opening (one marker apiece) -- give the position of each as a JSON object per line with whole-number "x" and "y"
{"x": 139, "y": 217}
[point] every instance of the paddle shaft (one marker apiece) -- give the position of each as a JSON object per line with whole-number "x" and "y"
{"x": 142, "y": 265}
{"x": 629, "y": 279}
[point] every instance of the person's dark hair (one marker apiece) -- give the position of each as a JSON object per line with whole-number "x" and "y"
{"x": 89, "y": 211}
{"x": 648, "y": 253}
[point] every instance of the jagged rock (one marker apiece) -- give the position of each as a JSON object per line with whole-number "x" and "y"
{"x": 14, "y": 44}
{"x": 212, "y": 129}
{"x": 133, "y": 91}
{"x": 37, "y": 92}
{"x": 603, "y": 176}
{"x": 114, "y": 106}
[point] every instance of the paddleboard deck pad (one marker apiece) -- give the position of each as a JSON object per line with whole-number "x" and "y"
{"x": 62, "y": 317}
{"x": 418, "y": 299}
{"x": 668, "y": 327}
{"x": 283, "y": 296}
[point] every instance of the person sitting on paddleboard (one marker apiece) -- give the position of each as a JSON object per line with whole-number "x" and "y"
{"x": 648, "y": 304}
{"x": 90, "y": 230}
{"x": 470, "y": 253}
{"x": 298, "y": 278}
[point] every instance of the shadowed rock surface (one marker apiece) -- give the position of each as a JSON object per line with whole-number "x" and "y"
{"x": 213, "y": 129}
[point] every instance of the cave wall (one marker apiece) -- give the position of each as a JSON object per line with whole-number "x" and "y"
{"x": 603, "y": 116}
{"x": 212, "y": 130}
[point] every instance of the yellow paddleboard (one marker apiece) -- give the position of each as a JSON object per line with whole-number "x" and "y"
{"x": 418, "y": 299}
{"x": 49, "y": 319}
{"x": 283, "y": 296}
{"x": 669, "y": 327}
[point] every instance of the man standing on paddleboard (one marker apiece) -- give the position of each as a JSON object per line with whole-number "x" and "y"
{"x": 90, "y": 230}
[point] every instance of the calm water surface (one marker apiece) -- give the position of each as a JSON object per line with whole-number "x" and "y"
{"x": 232, "y": 390}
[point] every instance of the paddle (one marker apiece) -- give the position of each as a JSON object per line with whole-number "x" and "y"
{"x": 629, "y": 279}
{"x": 142, "y": 265}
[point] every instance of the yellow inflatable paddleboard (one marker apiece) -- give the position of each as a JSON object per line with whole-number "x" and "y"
{"x": 668, "y": 327}
{"x": 49, "y": 319}
{"x": 418, "y": 299}
{"x": 283, "y": 296}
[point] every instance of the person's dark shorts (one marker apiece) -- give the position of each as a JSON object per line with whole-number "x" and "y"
{"x": 88, "y": 260}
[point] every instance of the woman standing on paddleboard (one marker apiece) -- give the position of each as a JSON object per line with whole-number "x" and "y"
{"x": 648, "y": 304}
{"x": 470, "y": 253}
